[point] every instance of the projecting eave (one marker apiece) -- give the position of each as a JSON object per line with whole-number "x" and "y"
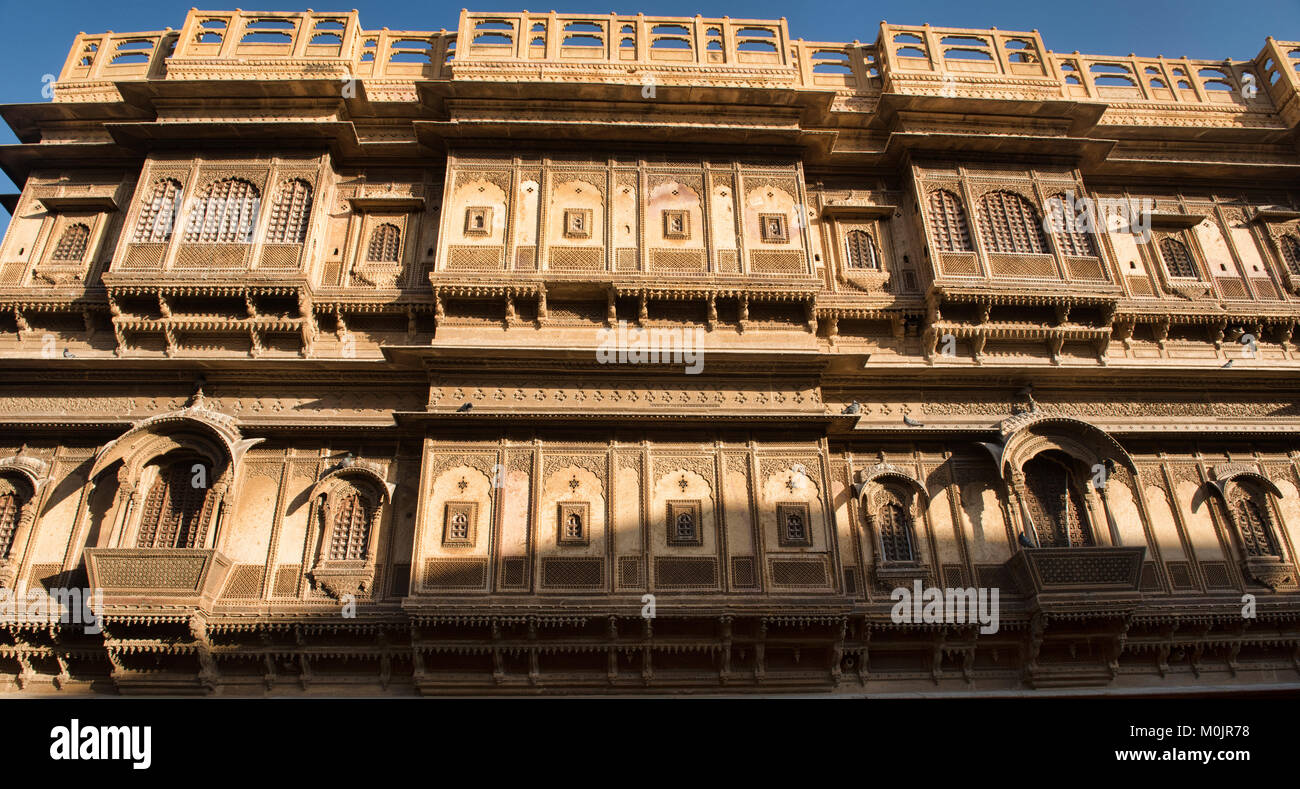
{"x": 145, "y": 94}
{"x": 773, "y": 420}
{"x": 1081, "y": 116}
{"x": 1197, "y": 170}
{"x": 627, "y": 86}
{"x": 18, "y": 161}
{"x": 485, "y": 131}
{"x": 337, "y": 135}
{"x": 1081, "y": 149}
{"x": 28, "y": 120}
{"x": 783, "y": 362}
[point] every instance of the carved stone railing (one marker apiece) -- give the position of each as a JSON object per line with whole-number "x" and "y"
{"x": 170, "y": 576}
{"x": 656, "y": 50}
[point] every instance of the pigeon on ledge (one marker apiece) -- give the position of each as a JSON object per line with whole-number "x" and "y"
{"x": 852, "y": 408}
{"x": 1025, "y": 541}
{"x": 464, "y": 409}
{"x": 907, "y": 420}
{"x": 68, "y": 354}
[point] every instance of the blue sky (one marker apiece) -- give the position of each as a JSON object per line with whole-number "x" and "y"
{"x": 36, "y": 36}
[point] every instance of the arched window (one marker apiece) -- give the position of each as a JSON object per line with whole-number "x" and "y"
{"x": 290, "y": 213}
{"x": 1249, "y": 508}
{"x": 225, "y": 213}
{"x": 1055, "y": 502}
{"x": 384, "y": 244}
{"x": 1291, "y": 253}
{"x": 176, "y": 508}
{"x": 1178, "y": 261}
{"x": 1009, "y": 223}
{"x": 350, "y": 536}
{"x": 158, "y": 214}
{"x": 860, "y": 250}
{"x": 948, "y": 222}
{"x": 72, "y": 244}
{"x": 685, "y": 526}
{"x": 459, "y": 526}
{"x": 795, "y": 529}
{"x": 11, "y": 505}
{"x": 894, "y": 521}
{"x": 1072, "y": 234}
{"x": 573, "y": 526}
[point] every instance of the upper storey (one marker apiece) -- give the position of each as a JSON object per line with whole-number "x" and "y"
{"x": 651, "y": 52}
{"x": 294, "y": 175}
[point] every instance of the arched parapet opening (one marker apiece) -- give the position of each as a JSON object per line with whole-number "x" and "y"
{"x": 1250, "y": 509}
{"x": 22, "y": 480}
{"x": 349, "y": 502}
{"x": 893, "y": 502}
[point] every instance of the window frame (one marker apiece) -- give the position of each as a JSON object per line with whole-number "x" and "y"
{"x": 563, "y": 510}
{"x": 783, "y": 510}
{"x": 673, "y": 510}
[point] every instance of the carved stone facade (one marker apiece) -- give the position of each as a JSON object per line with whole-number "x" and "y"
{"x": 370, "y": 361}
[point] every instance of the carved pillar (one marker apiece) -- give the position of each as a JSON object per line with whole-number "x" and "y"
{"x": 218, "y": 493}
{"x": 1017, "y": 492}
{"x": 126, "y": 500}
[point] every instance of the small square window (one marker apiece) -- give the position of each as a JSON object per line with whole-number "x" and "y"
{"x": 683, "y": 521}
{"x": 577, "y": 223}
{"x": 572, "y": 524}
{"x": 773, "y": 228}
{"x": 677, "y": 224}
{"x": 460, "y": 523}
{"x": 478, "y": 221}
{"x": 792, "y": 526}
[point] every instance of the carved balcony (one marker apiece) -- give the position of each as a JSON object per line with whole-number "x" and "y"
{"x": 1087, "y": 576}
{"x": 168, "y": 577}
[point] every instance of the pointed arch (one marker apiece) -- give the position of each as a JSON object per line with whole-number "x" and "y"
{"x": 225, "y": 213}
{"x": 1009, "y": 224}
{"x": 158, "y": 213}
{"x": 948, "y": 222}
{"x": 290, "y": 213}
{"x": 73, "y": 243}
{"x": 1177, "y": 260}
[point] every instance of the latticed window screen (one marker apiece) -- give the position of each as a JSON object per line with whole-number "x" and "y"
{"x": 894, "y": 520}
{"x": 1178, "y": 261}
{"x": 1072, "y": 236}
{"x": 290, "y": 213}
{"x": 10, "y": 508}
{"x": 1056, "y": 505}
{"x": 226, "y": 213}
{"x": 72, "y": 243}
{"x": 1008, "y": 223}
{"x": 573, "y": 526}
{"x": 174, "y": 510}
{"x": 1291, "y": 253}
{"x": 384, "y": 243}
{"x": 795, "y": 529}
{"x": 158, "y": 214}
{"x": 861, "y": 250}
{"x": 460, "y": 526}
{"x": 685, "y": 526}
{"x": 351, "y": 533}
{"x": 948, "y": 221}
{"x": 1250, "y": 510}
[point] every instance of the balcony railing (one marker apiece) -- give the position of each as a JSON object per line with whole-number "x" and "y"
{"x": 624, "y": 48}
